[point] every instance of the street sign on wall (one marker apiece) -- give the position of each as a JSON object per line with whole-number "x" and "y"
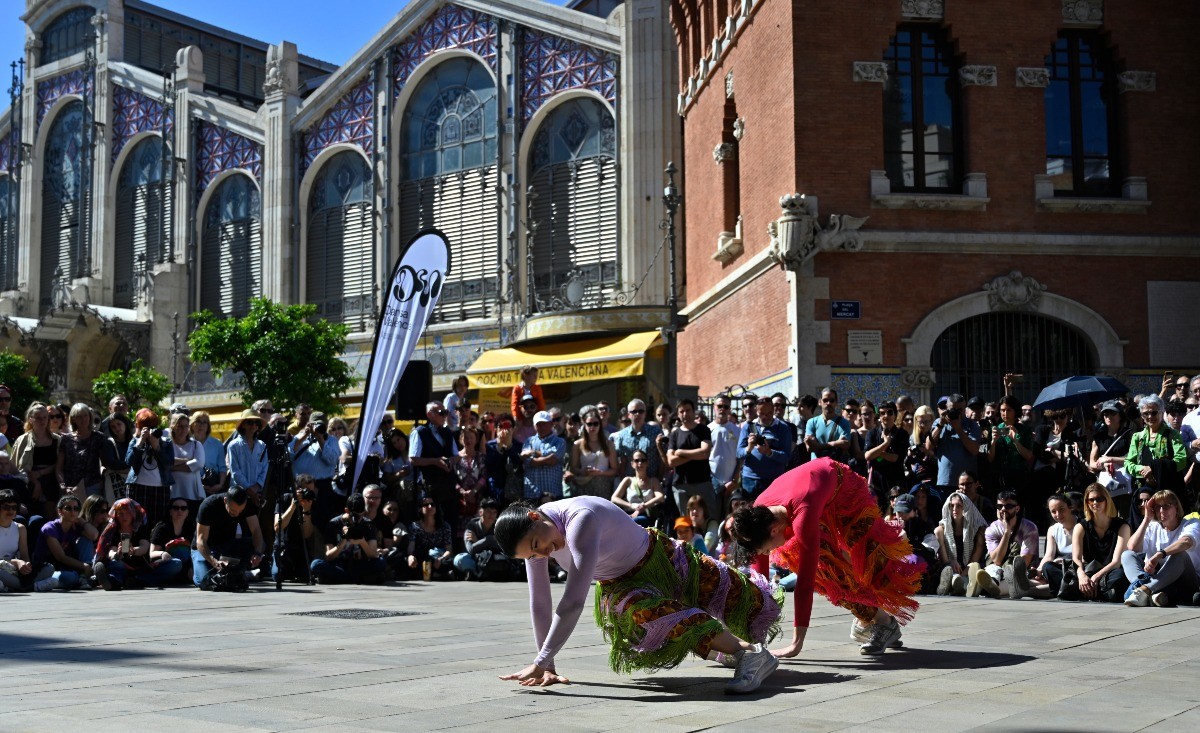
{"x": 845, "y": 309}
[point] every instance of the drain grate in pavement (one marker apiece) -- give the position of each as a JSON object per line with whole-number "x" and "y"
{"x": 357, "y": 614}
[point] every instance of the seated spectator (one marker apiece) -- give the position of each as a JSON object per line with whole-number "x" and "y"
{"x": 56, "y": 560}
{"x": 707, "y": 529}
{"x": 95, "y": 512}
{"x": 1059, "y": 540}
{"x": 430, "y": 544}
{"x": 961, "y": 543}
{"x": 351, "y": 549}
{"x": 483, "y": 558}
{"x": 297, "y": 540}
{"x": 1012, "y": 543}
{"x": 926, "y": 501}
{"x": 686, "y": 533}
{"x": 889, "y": 513}
{"x": 1163, "y": 554}
{"x": 969, "y": 485}
{"x": 16, "y": 571}
{"x": 640, "y": 494}
{"x": 921, "y": 538}
{"x": 173, "y": 537}
{"x": 1097, "y": 545}
{"x": 124, "y": 557}
{"x": 217, "y": 525}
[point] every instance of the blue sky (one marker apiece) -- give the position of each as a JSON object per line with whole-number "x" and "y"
{"x": 329, "y": 36}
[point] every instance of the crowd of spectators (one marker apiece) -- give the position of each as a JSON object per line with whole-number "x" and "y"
{"x": 996, "y": 498}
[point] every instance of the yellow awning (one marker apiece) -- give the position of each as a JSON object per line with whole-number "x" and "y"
{"x": 571, "y": 361}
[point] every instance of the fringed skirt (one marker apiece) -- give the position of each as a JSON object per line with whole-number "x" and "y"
{"x": 864, "y": 562}
{"x": 676, "y": 600}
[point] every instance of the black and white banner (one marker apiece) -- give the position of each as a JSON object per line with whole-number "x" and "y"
{"x": 412, "y": 294}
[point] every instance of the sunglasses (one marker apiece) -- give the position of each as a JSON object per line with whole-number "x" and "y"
{"x": 886, "y": 411}
{"x": 636, "y": 412}
{"x": 1181, "y": 385}
{"x": 1097, "y": 500}
{"x": 440, "y": 412}
{"x": 638, "y": 460}
{"x": 179, "y": 508}
{"x": 1149, "y": 413}
{"x": 592, "y": 424}
{"x": 52, "y": 415}
{"x": 71, "y": 508}
{"x": 1006, "y": 506}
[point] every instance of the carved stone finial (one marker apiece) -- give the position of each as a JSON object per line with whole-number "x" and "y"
{"x": 739, "y": 129}
{"x": 1014, "y": 292}
{"x": 724, "y": 152}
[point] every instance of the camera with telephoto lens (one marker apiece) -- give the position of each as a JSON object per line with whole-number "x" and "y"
{"x": 355, "y": 527}
{"x": 305, "y": 494}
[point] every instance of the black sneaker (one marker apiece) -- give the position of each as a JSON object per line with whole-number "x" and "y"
{"x": 102, "y": 578}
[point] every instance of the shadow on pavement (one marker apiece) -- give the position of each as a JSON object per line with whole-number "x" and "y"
{"x": 674, "y": 689}
{"x": 910, "y": 658}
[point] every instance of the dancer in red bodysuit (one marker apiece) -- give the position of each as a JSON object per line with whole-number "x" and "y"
{"x": 821, "y": 522}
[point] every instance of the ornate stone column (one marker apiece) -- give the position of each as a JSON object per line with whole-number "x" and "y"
{"x": 281, "y": 91}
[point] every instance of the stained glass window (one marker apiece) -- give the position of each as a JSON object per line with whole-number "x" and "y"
{"x": 450, "y": 121}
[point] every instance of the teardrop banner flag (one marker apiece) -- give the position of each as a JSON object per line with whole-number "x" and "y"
{"x": 412, "y": 294}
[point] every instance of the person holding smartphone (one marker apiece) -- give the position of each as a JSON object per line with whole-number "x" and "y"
{"x": 1011, "y": 449}
{"x": 124, "y": 557}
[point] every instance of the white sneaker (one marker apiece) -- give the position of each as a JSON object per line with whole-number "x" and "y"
{"x": 754, "y": 667}
{"x": 946, "y": 581}
{"x": 861, "y": 633}
{"x": 1140, "y": 598}
{"x": 1161, "y": 599}
{"x": 46, "y": 585}
{"x": 882, "y": 637}
{"x": 6, "y": 565}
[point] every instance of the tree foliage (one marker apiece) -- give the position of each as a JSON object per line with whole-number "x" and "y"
{"x": 142, "y": 385}
{"x": 281, "y": 353}
{"x": 14, "y": 372}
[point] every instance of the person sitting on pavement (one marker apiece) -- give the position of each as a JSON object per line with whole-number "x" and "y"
{"x": 707, "y": 529}
{"x": 1059, "y": 540}
{"x": 484, "y": 556}
{"x": 124, "y": 556}
{"x": 1097, "y": 544}
{"x": 216, "y": 539}
{"x": 56, "y": 556}
{"x": 686, "y": 533}
{"x": 173, "y": 536}
{"x": 430, "y": 543}
{"x": 1012, "y": 543}
{"x": 16, "y": 571}
{"x": 351, "y": 549}
{"x": 1163, "y": 554}
{"x": 961, "y": 543}
{"x": 920, "y": 535}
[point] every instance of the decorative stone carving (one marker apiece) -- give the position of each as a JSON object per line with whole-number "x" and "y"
{"x": 1014, "y": 292}
{"x": 976, "y": 75}
{"x": 729, "y": 85}
{"x": 724, "y": 152}
{"x": 1083, "y": 12}
{"x": 274, "y": 79}
{"x": 1032, "y": 76}
{"x": 32, "y": 44}
{"x": 923, "y": 9}
{"x": 729, "y": 244}
{"x": 1136, "y": 81}
{"x": 796, "y": 237}
{"x": 739, "y": 128}
{"x": 875, "y": 72}
{"x": 916, "y": 379}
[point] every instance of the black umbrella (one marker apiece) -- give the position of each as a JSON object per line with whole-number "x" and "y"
{"x": 1079, "y": 392}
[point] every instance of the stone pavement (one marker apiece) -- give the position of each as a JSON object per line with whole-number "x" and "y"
{"x": 181, "y": 660}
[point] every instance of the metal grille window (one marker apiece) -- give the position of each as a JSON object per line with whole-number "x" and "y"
{"x": 8, "y": 233}
{"x": 231, "y": 248}
{"x": 63, "y": 193}
{"x": 972, "y": 356}
{"x": 574, "y": 205}
{"x": 67, "y": 34}
{"x": 1081, "y": 120}
{"x": 449, "y": 167}
{"x": 143, "y": 211}
{"x": 922, "y": 127}
{"x": 339, "y": 265}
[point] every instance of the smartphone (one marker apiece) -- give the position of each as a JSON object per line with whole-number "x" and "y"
{"x": 126, "y": 544}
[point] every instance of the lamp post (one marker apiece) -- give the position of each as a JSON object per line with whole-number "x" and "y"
{"x": 671, "y": 200}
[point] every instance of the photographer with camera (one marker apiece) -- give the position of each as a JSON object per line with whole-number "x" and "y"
{"x": 217, "y": 549}
{"x": 314, "y": 453}
{"x": 352, "y": 549}
{"x": 297, "y": 540}
{"x": 954, "y": 441}
{"x": 765, "y": 447}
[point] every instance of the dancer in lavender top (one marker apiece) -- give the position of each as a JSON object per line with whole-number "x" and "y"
{"x": 657, "y": 599}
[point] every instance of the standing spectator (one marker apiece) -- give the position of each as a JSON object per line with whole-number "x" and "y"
{"x": 470, "y": 470}
{"x": 10, "y": 426}
{"x": 593, "y": 460}
{"x": 779, "y": 403}
{"x": 56, "y": 557}
{"x": 432, "y": 451}
{"x": 886, "y": 445}
{"x": 212, "y": 478}
{"x": 301, "y": 416}
{"x": 606, "y": 418}
{"x": 524, "y": 419}
{"x": 527, "y": 386}
{"x": 1110, "y": 446}
{"x": 1157, "y": 457}
{"x": 218, "y": 523}
{"x": 1163, "y": 554}
{"x": 954, "y": 441}
{"x": 1012, "y": 543}
{"x": 961, "y": 543}
{"x": 118, "y": 411}
{"x": 35, "y": 454}
{"x": 455, "y": 399}
{"x": 151, "y": 458}
{"x": 663, "y": 415}
{"x": 124, "y": 557}
{"x": 397, "y": 471}
{"x": 827, "y": 434}
{"x": 58, "y": 418}
{"x": 16, "y": 570}
{"x": 640, "y": 495}
{"x": 188, "y": 465}
{"x": 920, "y": 463}
{"x": 247, "y": 457}
{"x": 1011, "y": 451}
{"x": 316, "y": 454}
{"x": 1097, "y": 544}
{"x": 120, "y": 435}
{"x": 688, "y": 452}
{"x": 543, "y": 457}
{"x": 638, "y": 436}
{"x": 503, "y": 463}
{"x": 1192, "y": 418}
{"x": 722, "y": 459}
{"x": 764, "y": 448}
{"x": 79, "y": 455}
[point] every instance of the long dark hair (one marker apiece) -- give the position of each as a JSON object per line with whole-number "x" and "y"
{"x": 512, "y": 525}
{"x": 752, "y": 526}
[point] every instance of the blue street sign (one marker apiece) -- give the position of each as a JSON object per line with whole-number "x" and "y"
{"x": 845, "y": 309}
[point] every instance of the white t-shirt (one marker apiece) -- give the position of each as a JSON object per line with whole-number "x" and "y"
{"x": 1158, "y": 538}
{"x": 1062, "y": 540}
{"x": 722, "y": 461}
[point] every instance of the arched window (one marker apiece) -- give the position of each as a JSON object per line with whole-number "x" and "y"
{"x": 1081, "y": 120}
{"x": 572, "y": 171}
{"x": 340, "y": 276}
{"x": 448, "y": 166}
{"x": 972, "y": 356}
{"x": 231, "y": 248}
{"x": 64, "y": 195}
{"x": 8, "y": 234}
{"x": 67, "y": 34}
{"x": 143, "y": 216}
{"x": 922, "y": 116}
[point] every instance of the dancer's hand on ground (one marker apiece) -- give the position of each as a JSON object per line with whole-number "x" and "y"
{"x": 789, "y": 651}
{"x": 535, "y": 676}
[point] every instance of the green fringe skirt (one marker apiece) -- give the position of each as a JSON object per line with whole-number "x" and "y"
{"x": 676, "y": 600}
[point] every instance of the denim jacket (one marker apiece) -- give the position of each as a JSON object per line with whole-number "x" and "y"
{"x": 135, "y": 456}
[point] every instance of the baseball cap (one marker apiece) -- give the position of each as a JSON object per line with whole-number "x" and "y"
{"x": 904, "y": 503}
{"x": 529, "y": 398}
{"x": 682, "y": 522}
{"x": 943, "y": 400}
{"x": 1110, "y": 406}
{"x": 739, "y": 495}
{"x": 543, "y": 416}
{"x": 976, "y": 403}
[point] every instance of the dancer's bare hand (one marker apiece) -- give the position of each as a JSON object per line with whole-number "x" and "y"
{"x": 789, "y": 651}
{"x": 535, "y": 676}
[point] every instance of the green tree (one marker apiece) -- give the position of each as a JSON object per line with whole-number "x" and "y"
{"x": 282, "y": 353}
{"x": 14, "y": 372}
{"x": 142, "y": 385}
